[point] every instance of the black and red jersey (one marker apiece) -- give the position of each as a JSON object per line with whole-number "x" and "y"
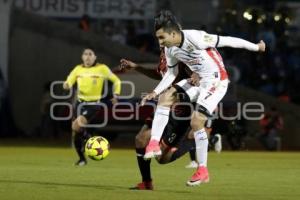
{"x": 184, "y": 71}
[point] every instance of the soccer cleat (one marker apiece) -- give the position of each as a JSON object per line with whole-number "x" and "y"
{"x": 218, "y": 144}
{"x": 200, "y": 176}
{"x": 145, "y": 185}
{"x": 152, "y": 150}
{"x": 192, "y": 164}
{"x": 80, "y": 163}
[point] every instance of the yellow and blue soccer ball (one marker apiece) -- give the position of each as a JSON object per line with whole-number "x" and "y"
{"x": 97, "y": 148}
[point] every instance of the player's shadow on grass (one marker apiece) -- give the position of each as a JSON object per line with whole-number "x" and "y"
{"x": 104, "y": 187}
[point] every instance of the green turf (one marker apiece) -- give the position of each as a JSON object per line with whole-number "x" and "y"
{"x": 48, "y": 173}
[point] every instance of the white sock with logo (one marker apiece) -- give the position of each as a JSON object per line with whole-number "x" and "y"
{"x": 201, "y": 141}
{"x": 160, "y": 120}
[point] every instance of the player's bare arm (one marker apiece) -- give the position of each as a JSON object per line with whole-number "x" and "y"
{"x": 129, "y": 65}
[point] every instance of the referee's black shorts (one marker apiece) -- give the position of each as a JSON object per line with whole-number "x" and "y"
{"x": 87, "y": 109}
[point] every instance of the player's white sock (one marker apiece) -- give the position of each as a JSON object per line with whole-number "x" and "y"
{"x": 160, "y": 120}
{"x": 201, "y": 146}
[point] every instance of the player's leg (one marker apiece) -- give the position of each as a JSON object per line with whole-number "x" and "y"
{"x": 174, "y": 142}
{"x": 141, "y": 141}
{"x": 160, "y": 121}
{"x": 201, "y": 142}
{"x": 192, "y": 152}
{"x": 172, "y": 153}
{"x": 85, "y": 114}
{"x": 143, "y": 138}
{"x": 207, "y": 102}
{"x": 215, "y": 141}
{"x": 186, "y": 94}
{"x": 79, "y": 138}
{"x": 193, "y": 163}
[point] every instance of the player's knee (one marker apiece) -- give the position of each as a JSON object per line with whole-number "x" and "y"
{"x": 190, "y": 135}
{"x": 142, "y": 138}
{"x": 75, "y": 126}
{"x": 167, "y": 98}
{"x": 78, "y": 123}
{"x": 140, "y": 141}
{"x": 197, "y": 123}
{"x": 194, "y": 124}
{"x": 165, "y": 158}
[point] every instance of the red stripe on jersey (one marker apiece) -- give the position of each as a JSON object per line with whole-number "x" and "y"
{"x": 218, "y": 61}
{"x": 219, "y": 55}
{"x": 162, "y": 66}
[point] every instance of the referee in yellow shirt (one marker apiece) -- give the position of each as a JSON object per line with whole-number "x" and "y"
{"x": 90, "y": 77}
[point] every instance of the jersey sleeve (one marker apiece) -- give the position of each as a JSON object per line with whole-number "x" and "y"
{"x": 71, "y": 79}
{"x": 171, "y": 60}
{"x": 203, "y": 40}
{"x": 226, "y": 41}
{"x": 167, "y": 80}
{"x": 113, "y": 78}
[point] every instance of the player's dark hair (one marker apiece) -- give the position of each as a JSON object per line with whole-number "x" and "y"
{"x": 167, "y": 21}
{"x": 89, "y": 47}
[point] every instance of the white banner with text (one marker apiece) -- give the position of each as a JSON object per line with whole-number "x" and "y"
{"x": 117, "y": 9}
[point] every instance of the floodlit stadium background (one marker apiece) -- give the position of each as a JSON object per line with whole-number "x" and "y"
{"x": 42, "y": 40}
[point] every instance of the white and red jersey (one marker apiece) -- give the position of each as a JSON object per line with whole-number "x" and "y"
{"x": 198, "y": 51}
{"x": 208, "y": 63}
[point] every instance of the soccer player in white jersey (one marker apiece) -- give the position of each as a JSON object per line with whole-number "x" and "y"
{"x": 197, "y": 49}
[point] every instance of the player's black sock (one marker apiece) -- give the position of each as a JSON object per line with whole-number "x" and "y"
{"x": 87, "y": 134}
{"x": 144, "y": 165}
{"x": 184, "y": 146}
{"x": 213, "y": 140}
{"x": 79, "y": 145}
{"x": 193, "y": 153}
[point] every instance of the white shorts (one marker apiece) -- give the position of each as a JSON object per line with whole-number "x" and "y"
{"x": 208, "y": 94}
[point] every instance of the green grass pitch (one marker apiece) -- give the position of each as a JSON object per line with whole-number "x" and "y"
{"x": 48, "y": 173}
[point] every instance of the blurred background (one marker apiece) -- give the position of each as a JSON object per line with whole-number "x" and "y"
{"x": 42, "y": 40}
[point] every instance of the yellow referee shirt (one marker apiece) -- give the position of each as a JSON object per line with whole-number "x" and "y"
{"x": 90, "y": 81}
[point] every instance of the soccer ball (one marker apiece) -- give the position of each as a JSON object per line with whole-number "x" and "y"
{"x": 97, "y": 148}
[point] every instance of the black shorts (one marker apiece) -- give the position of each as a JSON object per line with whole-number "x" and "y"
{"x": 175, "y": 130}
{"x": 87, "y": 109}
{"x": 178, "y": 110}
{"x": 176, "y": 127}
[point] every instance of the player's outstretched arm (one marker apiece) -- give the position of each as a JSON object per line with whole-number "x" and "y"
{"x": 203, "y": 40}
{"x": 227, "y": 41}
{"x": 129, "y": 65}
